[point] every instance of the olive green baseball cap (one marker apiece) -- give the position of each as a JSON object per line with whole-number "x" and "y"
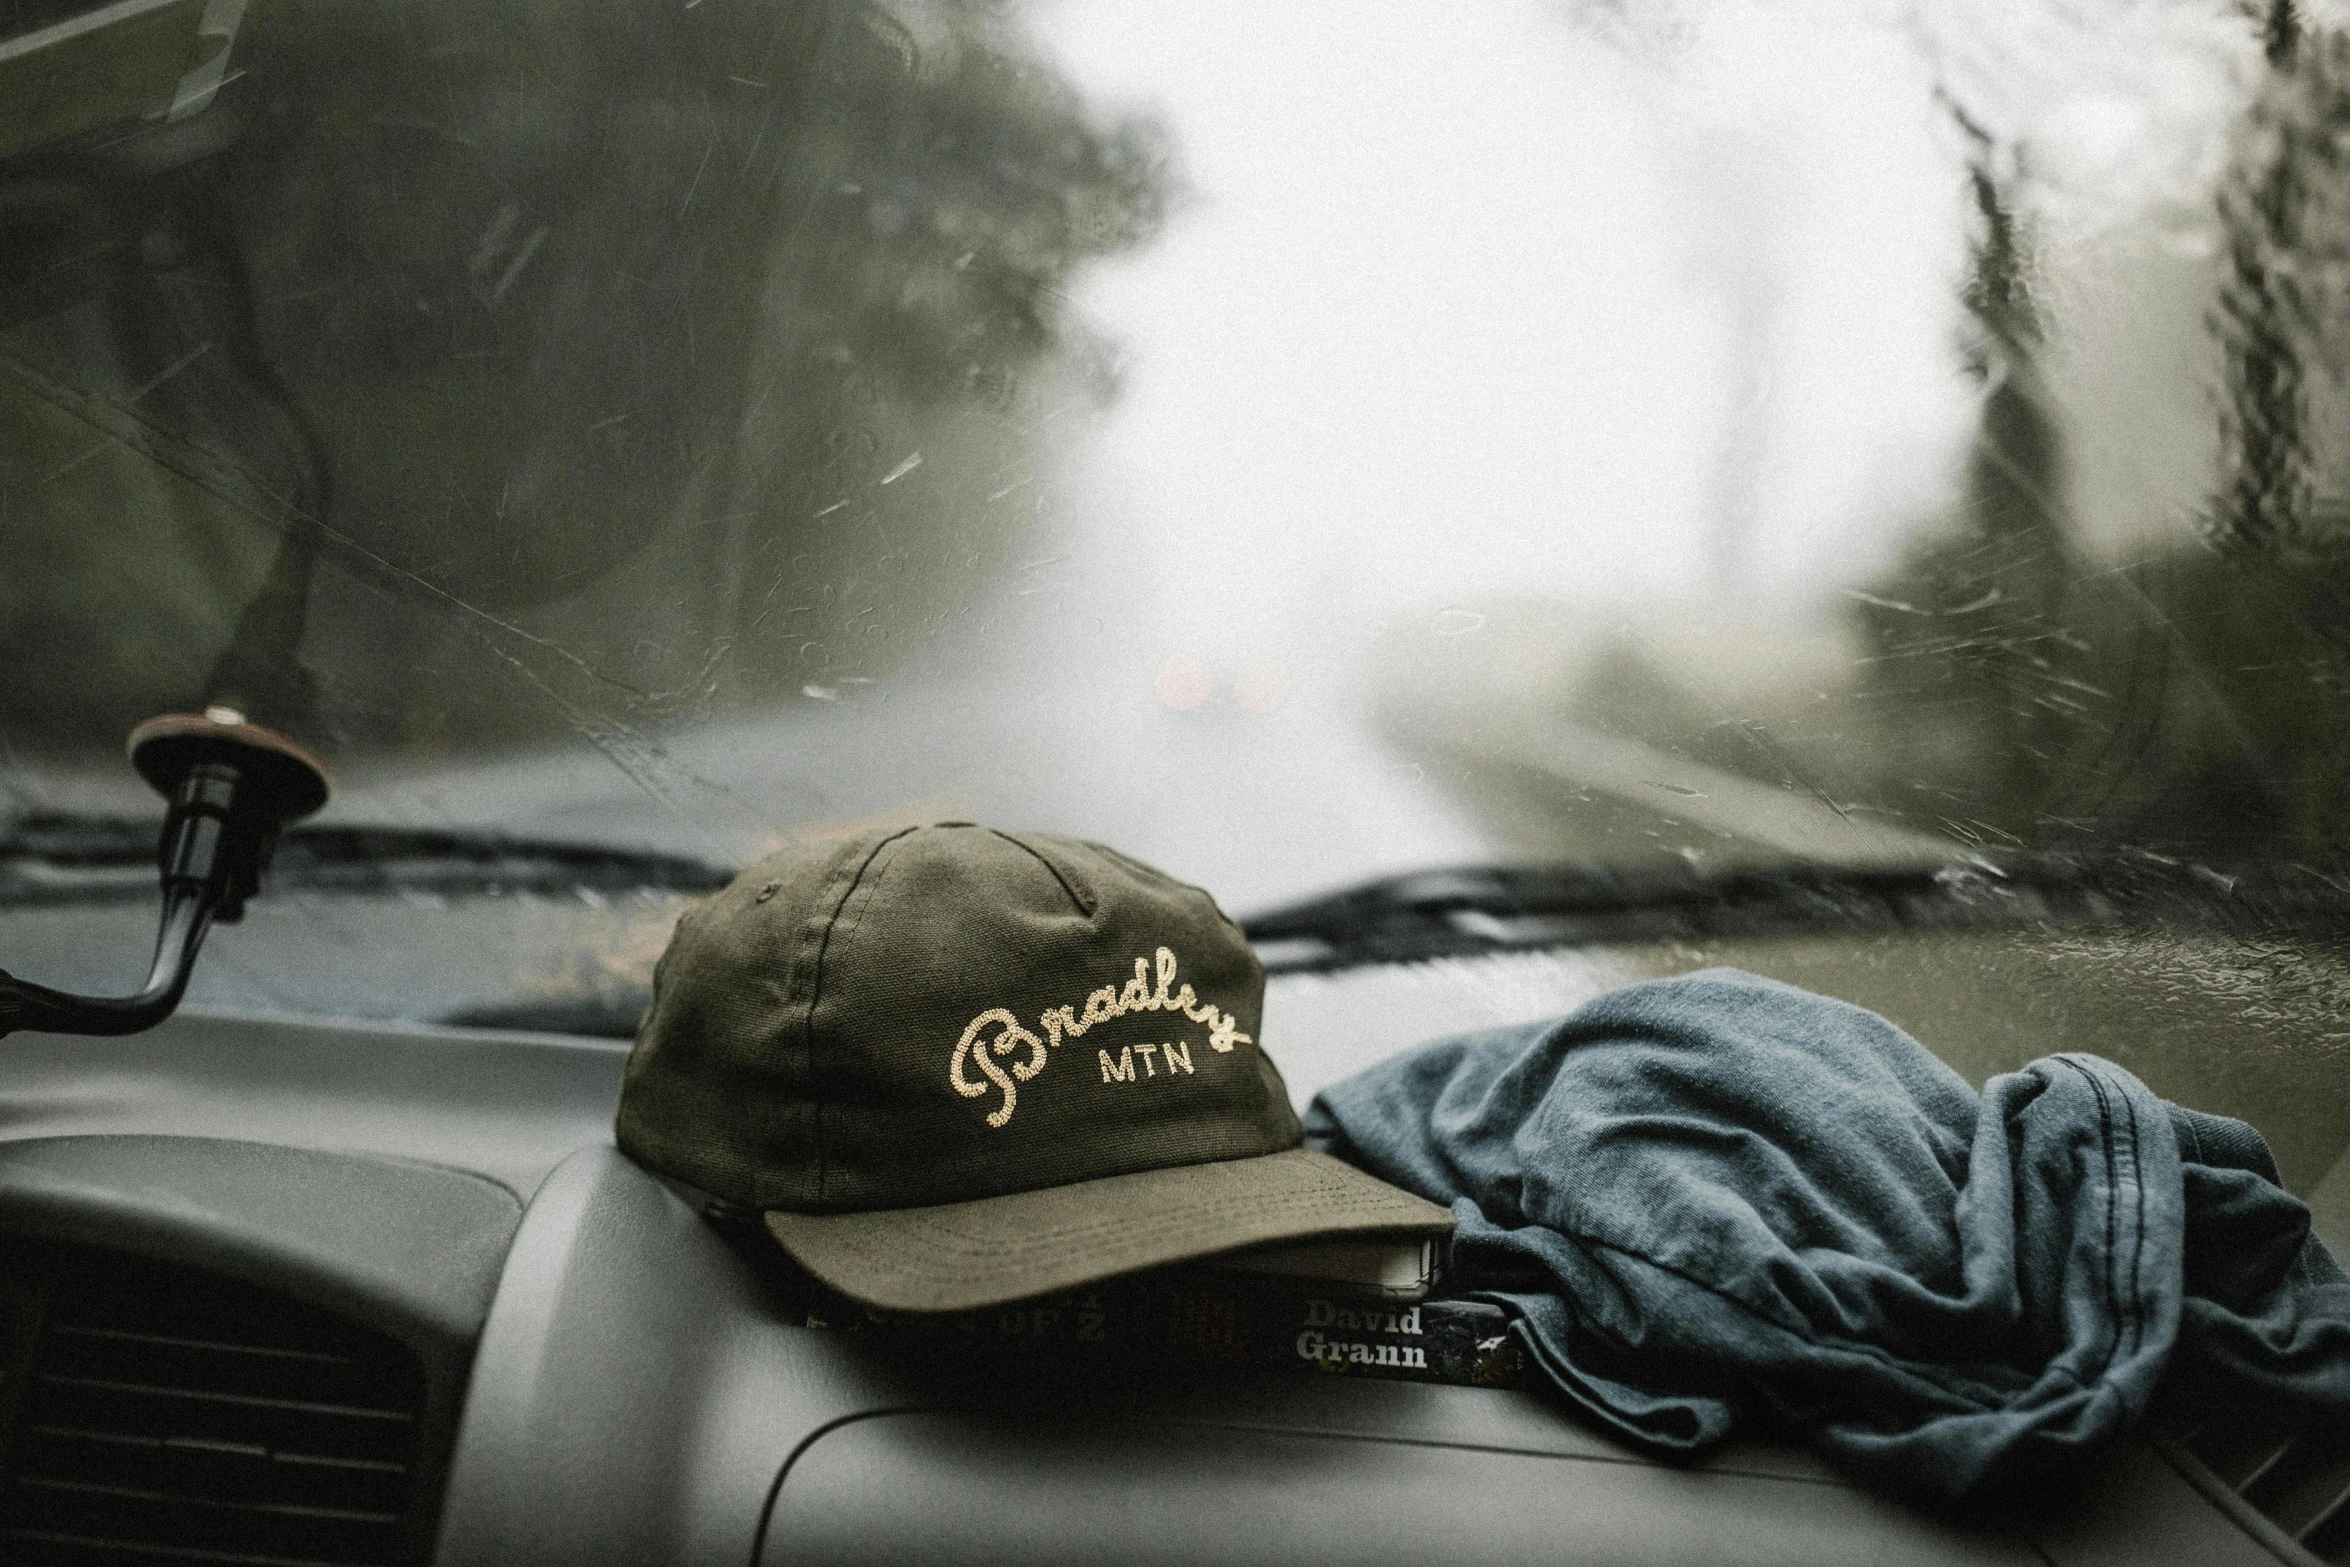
{"x": 958, "y": 1067}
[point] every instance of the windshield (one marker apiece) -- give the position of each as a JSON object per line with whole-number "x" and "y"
{"x": 1294, "y": 444}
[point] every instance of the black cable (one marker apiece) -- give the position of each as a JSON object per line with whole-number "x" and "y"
{"x": 232, "y": 786}
{"x": 25, "y": 1005}
{"x": 260, "y": 670}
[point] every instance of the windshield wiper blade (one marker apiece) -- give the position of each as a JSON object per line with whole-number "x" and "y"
{"x": 1470, "y": 910}
{"x": 58, "y": 858}
{"x": 584, "y": 1017}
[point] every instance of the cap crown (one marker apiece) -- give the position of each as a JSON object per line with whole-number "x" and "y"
{"x": 937, "y": 1014}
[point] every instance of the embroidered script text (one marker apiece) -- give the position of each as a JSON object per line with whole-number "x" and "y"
{"x": 1145, "y": 992}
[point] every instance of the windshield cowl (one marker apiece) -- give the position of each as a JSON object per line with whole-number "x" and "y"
{"x": 1466, "y": 911}
{"x": 55, "y": 858}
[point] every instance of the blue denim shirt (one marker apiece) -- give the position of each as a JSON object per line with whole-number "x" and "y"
{"x": 1716, "y": 1198}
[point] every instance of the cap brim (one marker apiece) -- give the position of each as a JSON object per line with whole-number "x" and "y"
{"x": 964, "y": 1255}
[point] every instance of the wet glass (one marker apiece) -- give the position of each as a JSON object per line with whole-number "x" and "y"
{"x": 1294, "y": 445}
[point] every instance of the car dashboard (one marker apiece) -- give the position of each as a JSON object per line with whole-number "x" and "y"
{"x": 295, "y": 1290}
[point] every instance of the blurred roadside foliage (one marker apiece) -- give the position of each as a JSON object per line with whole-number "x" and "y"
{"x": 2195, "y": 699}
{"x": 598, "y": 332}
{"x": 2010, "y": 681}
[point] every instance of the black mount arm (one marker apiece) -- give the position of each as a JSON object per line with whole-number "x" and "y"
{"x": 153, "y": 202}
{"x": 232, "y": 785}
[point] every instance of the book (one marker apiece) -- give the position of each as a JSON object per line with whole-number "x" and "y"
{"x": 1204, "y": 1315}
{"x": 1398, "y": 1270}
{"x": 1343, "y": 1321}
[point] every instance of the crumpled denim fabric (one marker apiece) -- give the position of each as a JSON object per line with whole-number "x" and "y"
{"x": 1717, "y": 1200}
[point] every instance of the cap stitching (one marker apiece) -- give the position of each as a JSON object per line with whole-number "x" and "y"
{"x": 816, "y": 1094}
{"x": 1221, "y": 1186}
{"x": 1208, "y": 1219}
{"x": 1062, "y": 1022}
{"x": 1086, "y": 899}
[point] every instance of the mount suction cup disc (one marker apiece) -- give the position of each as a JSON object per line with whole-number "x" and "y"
{"x": 286, "y": 781}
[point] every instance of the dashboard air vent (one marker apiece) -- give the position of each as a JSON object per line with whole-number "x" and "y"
{"x": 169, "y": 1416}
{"x": 2299, "y": 1483}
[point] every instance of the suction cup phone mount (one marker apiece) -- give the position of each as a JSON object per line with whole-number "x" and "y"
{"x": 231, "y": 785}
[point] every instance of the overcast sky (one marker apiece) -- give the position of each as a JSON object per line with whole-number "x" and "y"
{"x": 1467, "y": 300}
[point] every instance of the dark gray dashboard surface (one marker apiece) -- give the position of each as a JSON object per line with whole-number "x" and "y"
{"x": 636, "y": 1395}
{"x": 416, "y": 1247}
{"x": 638, "y": 1398}
{"x": 1006, "y": 1493}
{"x": 505, "y": 1106}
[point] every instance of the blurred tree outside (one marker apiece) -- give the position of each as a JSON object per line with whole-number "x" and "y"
{"x": 655, "y": 362}
{"x": 2196, "y": 699}
{"x": 2010, "y": 682}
